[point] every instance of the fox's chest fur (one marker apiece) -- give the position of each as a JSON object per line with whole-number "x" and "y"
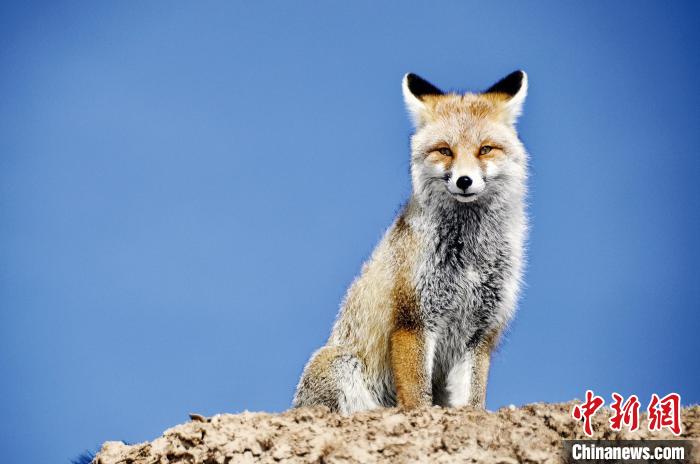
{"x": 461, "y": 265}
{"x": 462, "y": 268}
{"x": 467, "y": 277}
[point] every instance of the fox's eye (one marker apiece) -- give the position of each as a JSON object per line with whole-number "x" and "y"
{"x": 445, "y": 151}
{"x": 485, "y": 150}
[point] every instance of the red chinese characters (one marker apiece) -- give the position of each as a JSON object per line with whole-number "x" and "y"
{"x": 665, "y": 412}
{"x": 586, "y": 411}
{"x": 626, "y": 413}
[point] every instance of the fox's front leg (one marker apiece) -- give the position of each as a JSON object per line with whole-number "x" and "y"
{"x": 466, "y": 381}
{"x": 410, "y": 363}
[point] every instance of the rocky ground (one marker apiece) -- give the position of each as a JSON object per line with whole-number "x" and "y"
{"x": 530, "y": 434}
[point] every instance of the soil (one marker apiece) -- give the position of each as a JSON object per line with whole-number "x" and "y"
{"x": 529, "y": 434}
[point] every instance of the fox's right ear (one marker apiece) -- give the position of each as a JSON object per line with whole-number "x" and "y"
{"x": 415, "y": 89}
{"x": 513, "y": 88}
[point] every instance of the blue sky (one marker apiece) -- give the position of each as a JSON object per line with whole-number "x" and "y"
{"x": 187, "y": 189}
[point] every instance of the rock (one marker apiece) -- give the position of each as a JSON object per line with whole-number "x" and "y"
{"x": 532, "y": 433}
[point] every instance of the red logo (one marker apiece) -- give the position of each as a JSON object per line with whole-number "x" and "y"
{"x": 586, "y": 411}
{"x": 626, "y": 413}
{"x": 663, "y": 412}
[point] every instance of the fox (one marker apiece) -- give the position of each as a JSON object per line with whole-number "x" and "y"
{"x": 418, "y": 326}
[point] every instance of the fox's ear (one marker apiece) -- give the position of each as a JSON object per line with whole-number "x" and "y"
{"x": 513, "y": 88}
{"x": 415, "y": 89}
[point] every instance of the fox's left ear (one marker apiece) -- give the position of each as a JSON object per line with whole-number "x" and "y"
{"x": 513, "y": 88}
{"x": 415, "y": 90}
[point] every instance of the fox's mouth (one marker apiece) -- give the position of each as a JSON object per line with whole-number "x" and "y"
{"x": 464, "y": 197}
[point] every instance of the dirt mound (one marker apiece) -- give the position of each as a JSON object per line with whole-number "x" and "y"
{"x": 532, "y": 433}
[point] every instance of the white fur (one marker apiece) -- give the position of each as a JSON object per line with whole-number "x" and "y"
{"x": 514, "y": 106}
{"x": 430, "y": 343}
{"x": 459, "y": 381}
{"x": 355, "y": 396}
{"x": 414, "y": 105}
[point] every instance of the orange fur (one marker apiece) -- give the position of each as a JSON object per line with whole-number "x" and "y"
{"x": 407, "y": 358}
{"x": 407, "y": 342}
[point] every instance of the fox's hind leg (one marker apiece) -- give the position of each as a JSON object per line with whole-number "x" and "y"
{"x": 334, "y": 378}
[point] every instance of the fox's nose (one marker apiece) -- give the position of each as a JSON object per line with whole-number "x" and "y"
{"x": 464, "y": 182}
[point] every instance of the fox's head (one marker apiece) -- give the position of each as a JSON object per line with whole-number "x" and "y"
{"x": 465, "y": 146}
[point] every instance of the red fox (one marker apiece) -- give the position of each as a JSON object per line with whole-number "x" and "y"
{"x": 418, "y": 326}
